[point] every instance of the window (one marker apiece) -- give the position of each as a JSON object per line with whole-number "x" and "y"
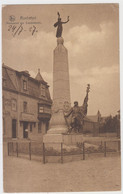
{"x": 14, "y": 135}
{"x": 42, "y": 90}
{"x": 24, "y": 84}
{"x": 14, "y": 105}
{"x": 30, "y": 127}
{"x": 24, "y": 106}
{"x": 41, "y": 109}
{"x": 39, "y": 127}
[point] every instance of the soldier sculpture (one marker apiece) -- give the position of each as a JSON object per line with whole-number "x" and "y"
{"x": 77, "y": 114}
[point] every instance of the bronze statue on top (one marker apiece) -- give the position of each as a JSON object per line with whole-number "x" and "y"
{"x": 59, "y": 24}
{"x": 77, "y": 115}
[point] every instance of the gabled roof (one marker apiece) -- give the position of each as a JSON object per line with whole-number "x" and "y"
{"x": 12, "y": 80}
{"x": 93, "y": 118}
{"x": 9, "y": 79}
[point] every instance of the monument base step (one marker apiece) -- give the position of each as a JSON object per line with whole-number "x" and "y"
{"x": 56, "y": 141}
{"x": 67, "y": 139}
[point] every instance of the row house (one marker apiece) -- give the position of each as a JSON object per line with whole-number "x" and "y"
{"x": 26, "y": 104}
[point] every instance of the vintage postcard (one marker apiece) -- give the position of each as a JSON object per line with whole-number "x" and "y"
{"x": 61, "y": 98}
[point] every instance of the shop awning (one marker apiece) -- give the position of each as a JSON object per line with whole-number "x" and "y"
{"x": 28, "y": 117}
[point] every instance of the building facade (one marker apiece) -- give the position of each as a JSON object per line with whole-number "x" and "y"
{"x": 26, "y": 104}
{"x": 92, "y": 124}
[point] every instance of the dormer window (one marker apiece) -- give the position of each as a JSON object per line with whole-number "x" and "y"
{"x": 24, "y": 84}
{"x": 42, "y": 90}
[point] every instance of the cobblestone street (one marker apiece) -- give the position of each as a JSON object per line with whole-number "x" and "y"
{"x": 93, "y": 174}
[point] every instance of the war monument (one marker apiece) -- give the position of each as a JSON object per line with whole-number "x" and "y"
{"x": 65, "y": 120}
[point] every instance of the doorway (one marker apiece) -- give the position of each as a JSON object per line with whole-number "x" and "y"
{"x": 25, "y": 129}
{"x": 14, "y": 128}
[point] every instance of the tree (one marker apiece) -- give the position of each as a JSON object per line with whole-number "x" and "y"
{"x": 111, "y": 124}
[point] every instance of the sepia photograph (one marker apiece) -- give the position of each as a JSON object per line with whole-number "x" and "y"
{"x": 61, "y": 97}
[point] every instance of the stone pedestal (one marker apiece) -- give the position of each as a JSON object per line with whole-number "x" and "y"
{"x": 69, "y": 141}
{"x": 58, "y": 124}
{"x": 53, "y": 141}
{"x": 53, "y": 138}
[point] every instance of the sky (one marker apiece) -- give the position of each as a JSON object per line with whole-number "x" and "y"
{"x": 91, "y": 38}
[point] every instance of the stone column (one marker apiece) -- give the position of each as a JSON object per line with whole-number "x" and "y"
{"x": 61, "y": 89}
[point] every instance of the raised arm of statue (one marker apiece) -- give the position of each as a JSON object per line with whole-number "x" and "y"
{"x": 66, "y": 21}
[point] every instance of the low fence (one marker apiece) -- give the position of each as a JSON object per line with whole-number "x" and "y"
{"x": 37, "y": 150}
{"x": 24, "y": 149}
